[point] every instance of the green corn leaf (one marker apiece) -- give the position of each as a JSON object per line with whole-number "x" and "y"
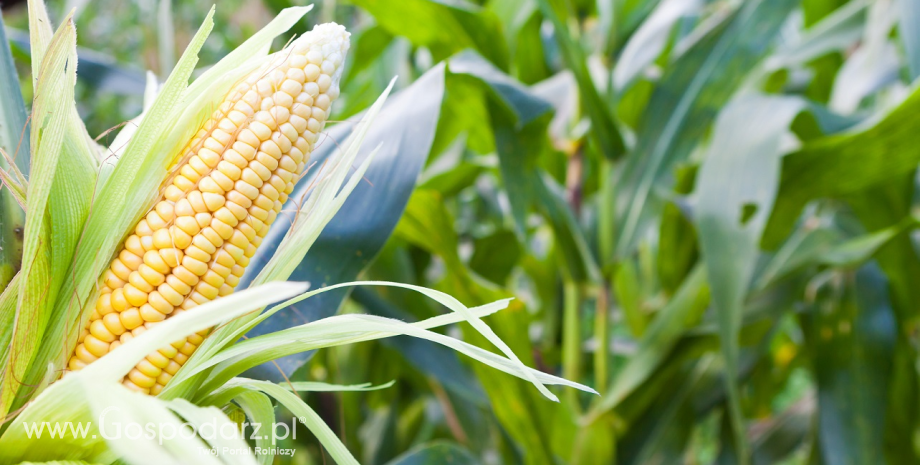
{"x": 650, "y": 39}
{"x": 444, "y": 27}
{"x": 604, "y": 131}
{"x": 842, "y": 164}
{"x": 737, "y": 184}
{"x": 682, "y": 311}
{"x": 685, "y": 103}
{"x": 305, "y": 414}
{"x": 259, "y": 409}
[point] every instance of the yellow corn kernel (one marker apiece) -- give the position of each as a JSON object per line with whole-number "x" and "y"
{"x": 150, "y": 314}
{"x": 148, "y": 369}
{"x": 134, "y": 295}
{"x": 140, "y": 379}
{"x": 95, "y": 346}
{"x": 131, "y": 319}
{"x": 98, "y": 330}
{"x": 112, "y": 323}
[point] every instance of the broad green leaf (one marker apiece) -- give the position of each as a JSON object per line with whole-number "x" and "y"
{"x": 528, "y": 63}
{"x": 518, "y": 151}
{"x": 518, "y": 128}
{"x": 842, "y": 164}
{"x": 736, "y": 186}
{"x": 684, "y": 104}
{"x": 522, "y": 104}
{"x": 445, "y": 27}
{"x": 884, "y": 206}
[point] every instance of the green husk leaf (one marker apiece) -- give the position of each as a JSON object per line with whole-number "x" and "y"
{"x": 84, "y": 395}
{"x": 71, "y": 196}
{"x": 18, "y": 193}
{"x": 54, "y": 93}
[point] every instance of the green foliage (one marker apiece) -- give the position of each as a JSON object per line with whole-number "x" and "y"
{"x": 704, "y": 210}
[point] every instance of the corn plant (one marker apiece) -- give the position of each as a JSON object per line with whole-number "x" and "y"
{"x": 124, "y": 308}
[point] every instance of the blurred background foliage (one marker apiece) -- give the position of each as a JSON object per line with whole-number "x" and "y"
{"x": 703, "y": 208}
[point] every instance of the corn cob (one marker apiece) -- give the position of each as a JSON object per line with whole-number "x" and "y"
{"x": 229, "y": 185}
